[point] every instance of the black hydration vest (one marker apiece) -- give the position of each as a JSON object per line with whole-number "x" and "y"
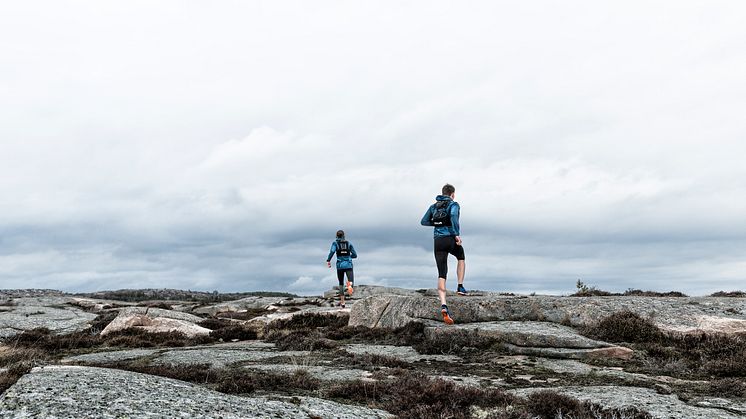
{"x": 441, "y": 216}
{"x": 343, "y": 248}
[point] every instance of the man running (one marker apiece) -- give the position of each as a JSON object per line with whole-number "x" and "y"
{"x": 345, "y": 252}
{"x": 443, "y": 215}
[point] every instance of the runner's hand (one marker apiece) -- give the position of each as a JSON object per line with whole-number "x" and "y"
{"x": 458, "y": 240}
{"x": 328, "y": 264}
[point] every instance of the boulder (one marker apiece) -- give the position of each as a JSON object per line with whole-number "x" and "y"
{"x": 156, "y": 320}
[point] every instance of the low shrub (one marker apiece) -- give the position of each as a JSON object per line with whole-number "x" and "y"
{"x": 548, "y": 404}
{"x": 625, "y": 326}
{"x": 371, "y": 361}
{"x": 710, "y": 354}
{"x": 300, "y": 340}
{"x": 408, "y": 335}
{"x": 310, "y": 321}
{"x": 454, "y": 342}
{"x": 735, "y": 294}
{"x": 415, "y": 395}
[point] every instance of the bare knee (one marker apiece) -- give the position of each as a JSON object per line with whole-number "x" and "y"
{"x": 441, "y": 285}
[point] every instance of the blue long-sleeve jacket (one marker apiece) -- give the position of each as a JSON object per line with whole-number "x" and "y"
{"x": 454, "y": 229}
{"x": 344, "y": 262}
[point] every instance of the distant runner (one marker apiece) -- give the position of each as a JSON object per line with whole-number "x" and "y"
{"x": 443, "y": 215}
{"x": 345, "y": 252}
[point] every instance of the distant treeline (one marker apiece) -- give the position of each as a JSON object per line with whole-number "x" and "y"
{"x": 178, "y": 295}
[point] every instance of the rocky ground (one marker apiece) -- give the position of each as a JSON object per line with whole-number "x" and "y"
{"x": 386, "y": 355}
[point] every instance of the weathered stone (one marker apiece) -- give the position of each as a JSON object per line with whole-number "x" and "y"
{"x": 389, "y": 311}
{"x": 614, "y": 352}
{"x": 259, "y": 323}
{"x": 735, "y": 406}
{"x": 53, "y": 313}
{"x": 364, "y": 291}
{"x": 110, "y": 356}
{"x": 687, "y": 314}
{"x": 320, "y": 372}
{"x": 96, "y": 306}
{"x": 260, "y": 303}
{"x": 402, "y": 353}
{"x": 658, "y": 405}
{"x": 535, "y": 334}
{"x": 155, "y": 320}
{"x": 77, "y": 392}
{"x": 224, "y": 354}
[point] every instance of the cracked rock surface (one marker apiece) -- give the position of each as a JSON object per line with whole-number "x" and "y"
{"x": 53, "y": 313}
{"x": 75, "y": 392}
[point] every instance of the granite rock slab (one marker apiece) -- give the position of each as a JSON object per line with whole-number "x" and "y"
{"x": 89, "y": 392}
{"x": 682, "y": 314}
{"x": 54, "y": 313}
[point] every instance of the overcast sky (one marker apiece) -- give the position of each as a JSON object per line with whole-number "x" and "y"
{"x": 220, "y": 145}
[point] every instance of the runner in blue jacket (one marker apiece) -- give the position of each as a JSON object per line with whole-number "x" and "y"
{"x": 345, "y": 252}
{"x": 444, "y": 216}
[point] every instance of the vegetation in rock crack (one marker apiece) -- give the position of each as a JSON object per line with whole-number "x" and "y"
{"x": 415, "y": 395}
{"x": 454, "y": 342}
{"x": 373, "y": 361}
{"x": 549, "y": 404}
{"x": 300, "y": 340}
{"x": 227, "y": 380}
{"x": 625, "y": 326}
{"x": 309, "y": 320}
{"x": 13, "y": 373}
{"x": 412, "y": 333}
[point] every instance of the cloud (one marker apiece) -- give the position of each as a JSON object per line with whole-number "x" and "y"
{"x": 223, "y": 152}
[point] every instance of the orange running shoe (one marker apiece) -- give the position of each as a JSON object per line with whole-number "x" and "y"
{"x": 446, "y": 314}
{"x": 349, "y": 288}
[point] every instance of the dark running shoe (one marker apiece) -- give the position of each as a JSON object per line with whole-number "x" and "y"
{"x": 447, "y": 319}
{"x": 461, "y": 290}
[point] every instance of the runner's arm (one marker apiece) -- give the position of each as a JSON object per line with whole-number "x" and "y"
{"x": 353, "y": 253}
{"x": 455, "y": 212}
{"x": 426, "y": 218}
{"x": 332, "y": 251}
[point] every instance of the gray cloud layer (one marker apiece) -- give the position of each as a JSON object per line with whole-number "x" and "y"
{"x": 181, "y": 144}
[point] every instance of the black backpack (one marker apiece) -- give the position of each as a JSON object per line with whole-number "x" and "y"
{"x": 441, "y": 215}
{"x": 343, "y": 248}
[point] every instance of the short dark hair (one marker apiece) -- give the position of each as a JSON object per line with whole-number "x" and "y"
{"x": 340, "y": 234}
{"x": 448, "y": 189}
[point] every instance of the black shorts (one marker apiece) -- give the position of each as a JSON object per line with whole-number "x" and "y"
{"x": 443, "y": 246}
{"x": 341, "y": 276}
